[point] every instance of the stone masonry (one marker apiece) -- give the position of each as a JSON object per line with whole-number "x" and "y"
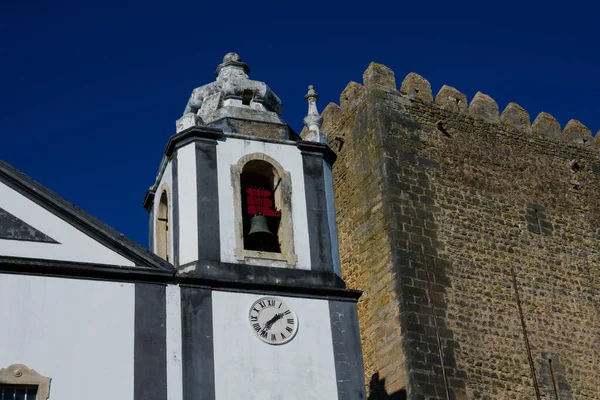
{"x": 475, "y": 237}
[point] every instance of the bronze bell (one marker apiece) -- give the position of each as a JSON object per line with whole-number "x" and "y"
{"x": 258, "y": 224}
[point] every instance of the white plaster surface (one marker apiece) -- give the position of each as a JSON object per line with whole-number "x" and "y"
{"x": 174, "y": 369}
{"x": 165, "y": 184}
{"x": 188, "y": 207}
{"x": 74, "y": 244}
{"x": 333, "y": 237}
{"x": 79, "y": 333}
{"x": 228, "y": 153}
{"x": 246, "y": 368}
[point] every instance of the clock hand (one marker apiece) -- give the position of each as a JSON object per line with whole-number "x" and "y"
{"x": 270, "y": 322}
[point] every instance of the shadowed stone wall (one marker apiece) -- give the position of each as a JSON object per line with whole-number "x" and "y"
{"x": 475, "y": 238}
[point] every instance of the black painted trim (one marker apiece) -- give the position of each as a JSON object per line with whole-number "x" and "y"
{"x": 317, "y": 148}
{"x": 70, "y": 269}
{"x": 14, "y": 228}
{"x": 207, "y": 190}
{"x": 197, "y": 344}
{"x": 149, "y": 198}
{"x": 243, "y": 277}
{"x": 150, "y": 340}
{"x": 227, "y": 277}
{"x": 81, "y": 220}
{"x": 190, "y": 135}
{"x": 151, "y": 230}
{"x": 316, "y": 204}
{"x": 347, "y": 351}
{"x": 175, "y": 207}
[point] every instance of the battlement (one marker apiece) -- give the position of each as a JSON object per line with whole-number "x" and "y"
{"x": 415, "y": 88}
{"x": 473, "y": 232}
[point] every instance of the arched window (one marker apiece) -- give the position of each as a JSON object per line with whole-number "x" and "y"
{"x": 263, "y": 211}
{"x": 162, "y": 227}
{"x": 260, "y": 208}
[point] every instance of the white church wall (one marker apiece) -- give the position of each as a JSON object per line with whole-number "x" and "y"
{"x": 174, "y": 350}
{"x": 228, "y": 153}
{"x": 247, "y": 368}
{"x": 79, "y": 333}
{"x": 188, "y": 207}
{"x": 73, "y": 245}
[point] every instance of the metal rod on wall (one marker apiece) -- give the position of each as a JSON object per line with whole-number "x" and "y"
{"x": 525, "y": 338}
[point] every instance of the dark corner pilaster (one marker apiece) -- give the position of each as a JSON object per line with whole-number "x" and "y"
{"x": 150, "y": 357}
{"x": 151, "y": 229}
{"x": 347, "y": 351}
{"x": 175, "y": 205}
{"x": 197, "y": 344}
{"x": 313, "y": 157}
{"x": 209, "y": 243}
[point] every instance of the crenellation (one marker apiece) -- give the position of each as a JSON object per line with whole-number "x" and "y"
{"x": 577, "y": 133}
{"x": 546, "y": 125}
{"x": 451, "y": 99}
{"x": 379, "y": 75}
{"x": 331, "y": 114}
{"x": 485, "y": 107}
{"x": 441, "y": 220}
{"x": 416, "y": 87}
{"x": 353, "y": 92}
{"x": 516, "y": 116}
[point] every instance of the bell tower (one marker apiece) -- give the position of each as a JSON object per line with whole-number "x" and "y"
{"x": 243, "y": 208}
{"x": 237, "y": 186}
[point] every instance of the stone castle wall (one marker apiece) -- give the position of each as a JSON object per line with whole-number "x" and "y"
{"x": 475, "y": 238}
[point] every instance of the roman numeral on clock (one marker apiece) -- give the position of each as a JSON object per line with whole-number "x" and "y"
{"x": 287, "y": 312}
{"x": 273, "y": 337}
{"x": 291, "y": 321}
{"x": 271, "y": 303}
{"x": 263, "y": 334}
{"x": 262, "y": 304}
{"x": 290, "y": 330}
{"x": 253, "y": 318}
{"x": 256, "y": 327}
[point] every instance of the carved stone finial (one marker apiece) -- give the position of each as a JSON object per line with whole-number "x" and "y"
{"x": 313, "y": 120}
{"x": 578, "y": 133}
{"x": 483, "y": 106}
{"x": 379, "y": 75}
{"x": 416, "y": 87}
{"x": 232, "y": 65}
{"x": 546, "y": 125}
{"x": 516, "y": 116}
{"x": 351, "y": 94}
{"x": 451, "y": 99}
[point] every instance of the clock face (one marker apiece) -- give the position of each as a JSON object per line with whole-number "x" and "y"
{"x": 272, "y": 321}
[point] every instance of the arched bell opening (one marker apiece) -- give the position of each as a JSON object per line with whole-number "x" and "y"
{"x": 261, "y": 205}
{"x": 162, "y": 227}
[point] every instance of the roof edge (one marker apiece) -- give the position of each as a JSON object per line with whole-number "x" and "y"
{"x": 80, "y": 219}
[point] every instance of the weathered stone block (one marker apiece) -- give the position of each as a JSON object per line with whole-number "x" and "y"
{"x": 576, "y": 132}
{"x": 416, "y": 87}
{"x": 187, "y": 121}
{"x": 483, "y": 106}
{"x": 546, "y": 125}
{"x": 379, "y": 75}
{"x": 331, "y": 115}
{"x": 516, "y": 116}
{"x": 451, "y": 99}
{"x": 351, "y": 95}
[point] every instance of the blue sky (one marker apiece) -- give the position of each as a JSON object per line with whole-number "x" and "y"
{"x": 90, "y": 91}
